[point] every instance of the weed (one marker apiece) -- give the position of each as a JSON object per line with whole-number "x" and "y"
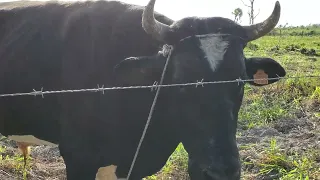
{"x": 275, "y": 161}
{"x": 14, "y": 163}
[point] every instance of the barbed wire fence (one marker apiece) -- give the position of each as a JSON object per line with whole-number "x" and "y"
{"x": 153, "y": 87}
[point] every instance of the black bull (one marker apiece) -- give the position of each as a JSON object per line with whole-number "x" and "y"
{"x": 80, "y": 45}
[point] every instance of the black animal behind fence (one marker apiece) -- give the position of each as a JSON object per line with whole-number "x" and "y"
{"x": 208, "y": 51}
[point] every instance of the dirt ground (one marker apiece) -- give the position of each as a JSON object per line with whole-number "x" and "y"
{"x": 292, "y": 136}
{"x": 46, "y": 163}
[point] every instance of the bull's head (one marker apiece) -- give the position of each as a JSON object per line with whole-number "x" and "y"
{"x": 209, "y": 49}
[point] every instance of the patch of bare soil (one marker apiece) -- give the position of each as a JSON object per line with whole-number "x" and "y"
{"x": 293, "y": 136}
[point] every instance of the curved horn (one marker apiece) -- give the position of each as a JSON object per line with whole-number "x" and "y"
{"x": 150, "y": 25}
{"x": 258, "y": 30}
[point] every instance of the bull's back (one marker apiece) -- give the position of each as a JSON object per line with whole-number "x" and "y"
{"x": 32, "y": 51}
{"x": 63, "y": 46}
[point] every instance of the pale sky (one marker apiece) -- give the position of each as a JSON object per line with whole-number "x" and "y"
{"x": 293, "y": 12}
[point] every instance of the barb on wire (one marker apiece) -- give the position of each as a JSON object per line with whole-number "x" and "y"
{"x": 36, "y": 93}
{"x": 199, "y": 83}
{"x": 101, "y": 88}
{"x": 152, "y": 87}
{"x": 239, "y": 81}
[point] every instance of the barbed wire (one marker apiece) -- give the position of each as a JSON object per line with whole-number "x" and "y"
{"x": 152, "y": 87}
{"x": 170, "y": 48}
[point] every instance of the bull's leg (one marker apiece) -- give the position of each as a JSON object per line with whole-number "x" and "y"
{"x": 80, "y": 164}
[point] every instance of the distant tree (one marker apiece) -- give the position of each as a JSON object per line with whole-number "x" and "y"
{"x": 237, "y": 14}
{"x": 251, "y": 14}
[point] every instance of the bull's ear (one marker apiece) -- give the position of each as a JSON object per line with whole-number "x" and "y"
{"x": 262, "y": 68}
{"x": 139, "y": 70}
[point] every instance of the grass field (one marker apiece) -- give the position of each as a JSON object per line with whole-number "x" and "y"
{"x": 278, "y": 134}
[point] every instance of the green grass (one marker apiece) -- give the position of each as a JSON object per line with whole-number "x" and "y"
{"x": 296, "y": 166}
{"x": 176, "y": 166}
{"x": 282, "y": 99}
{"x": 285, "y": 99}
